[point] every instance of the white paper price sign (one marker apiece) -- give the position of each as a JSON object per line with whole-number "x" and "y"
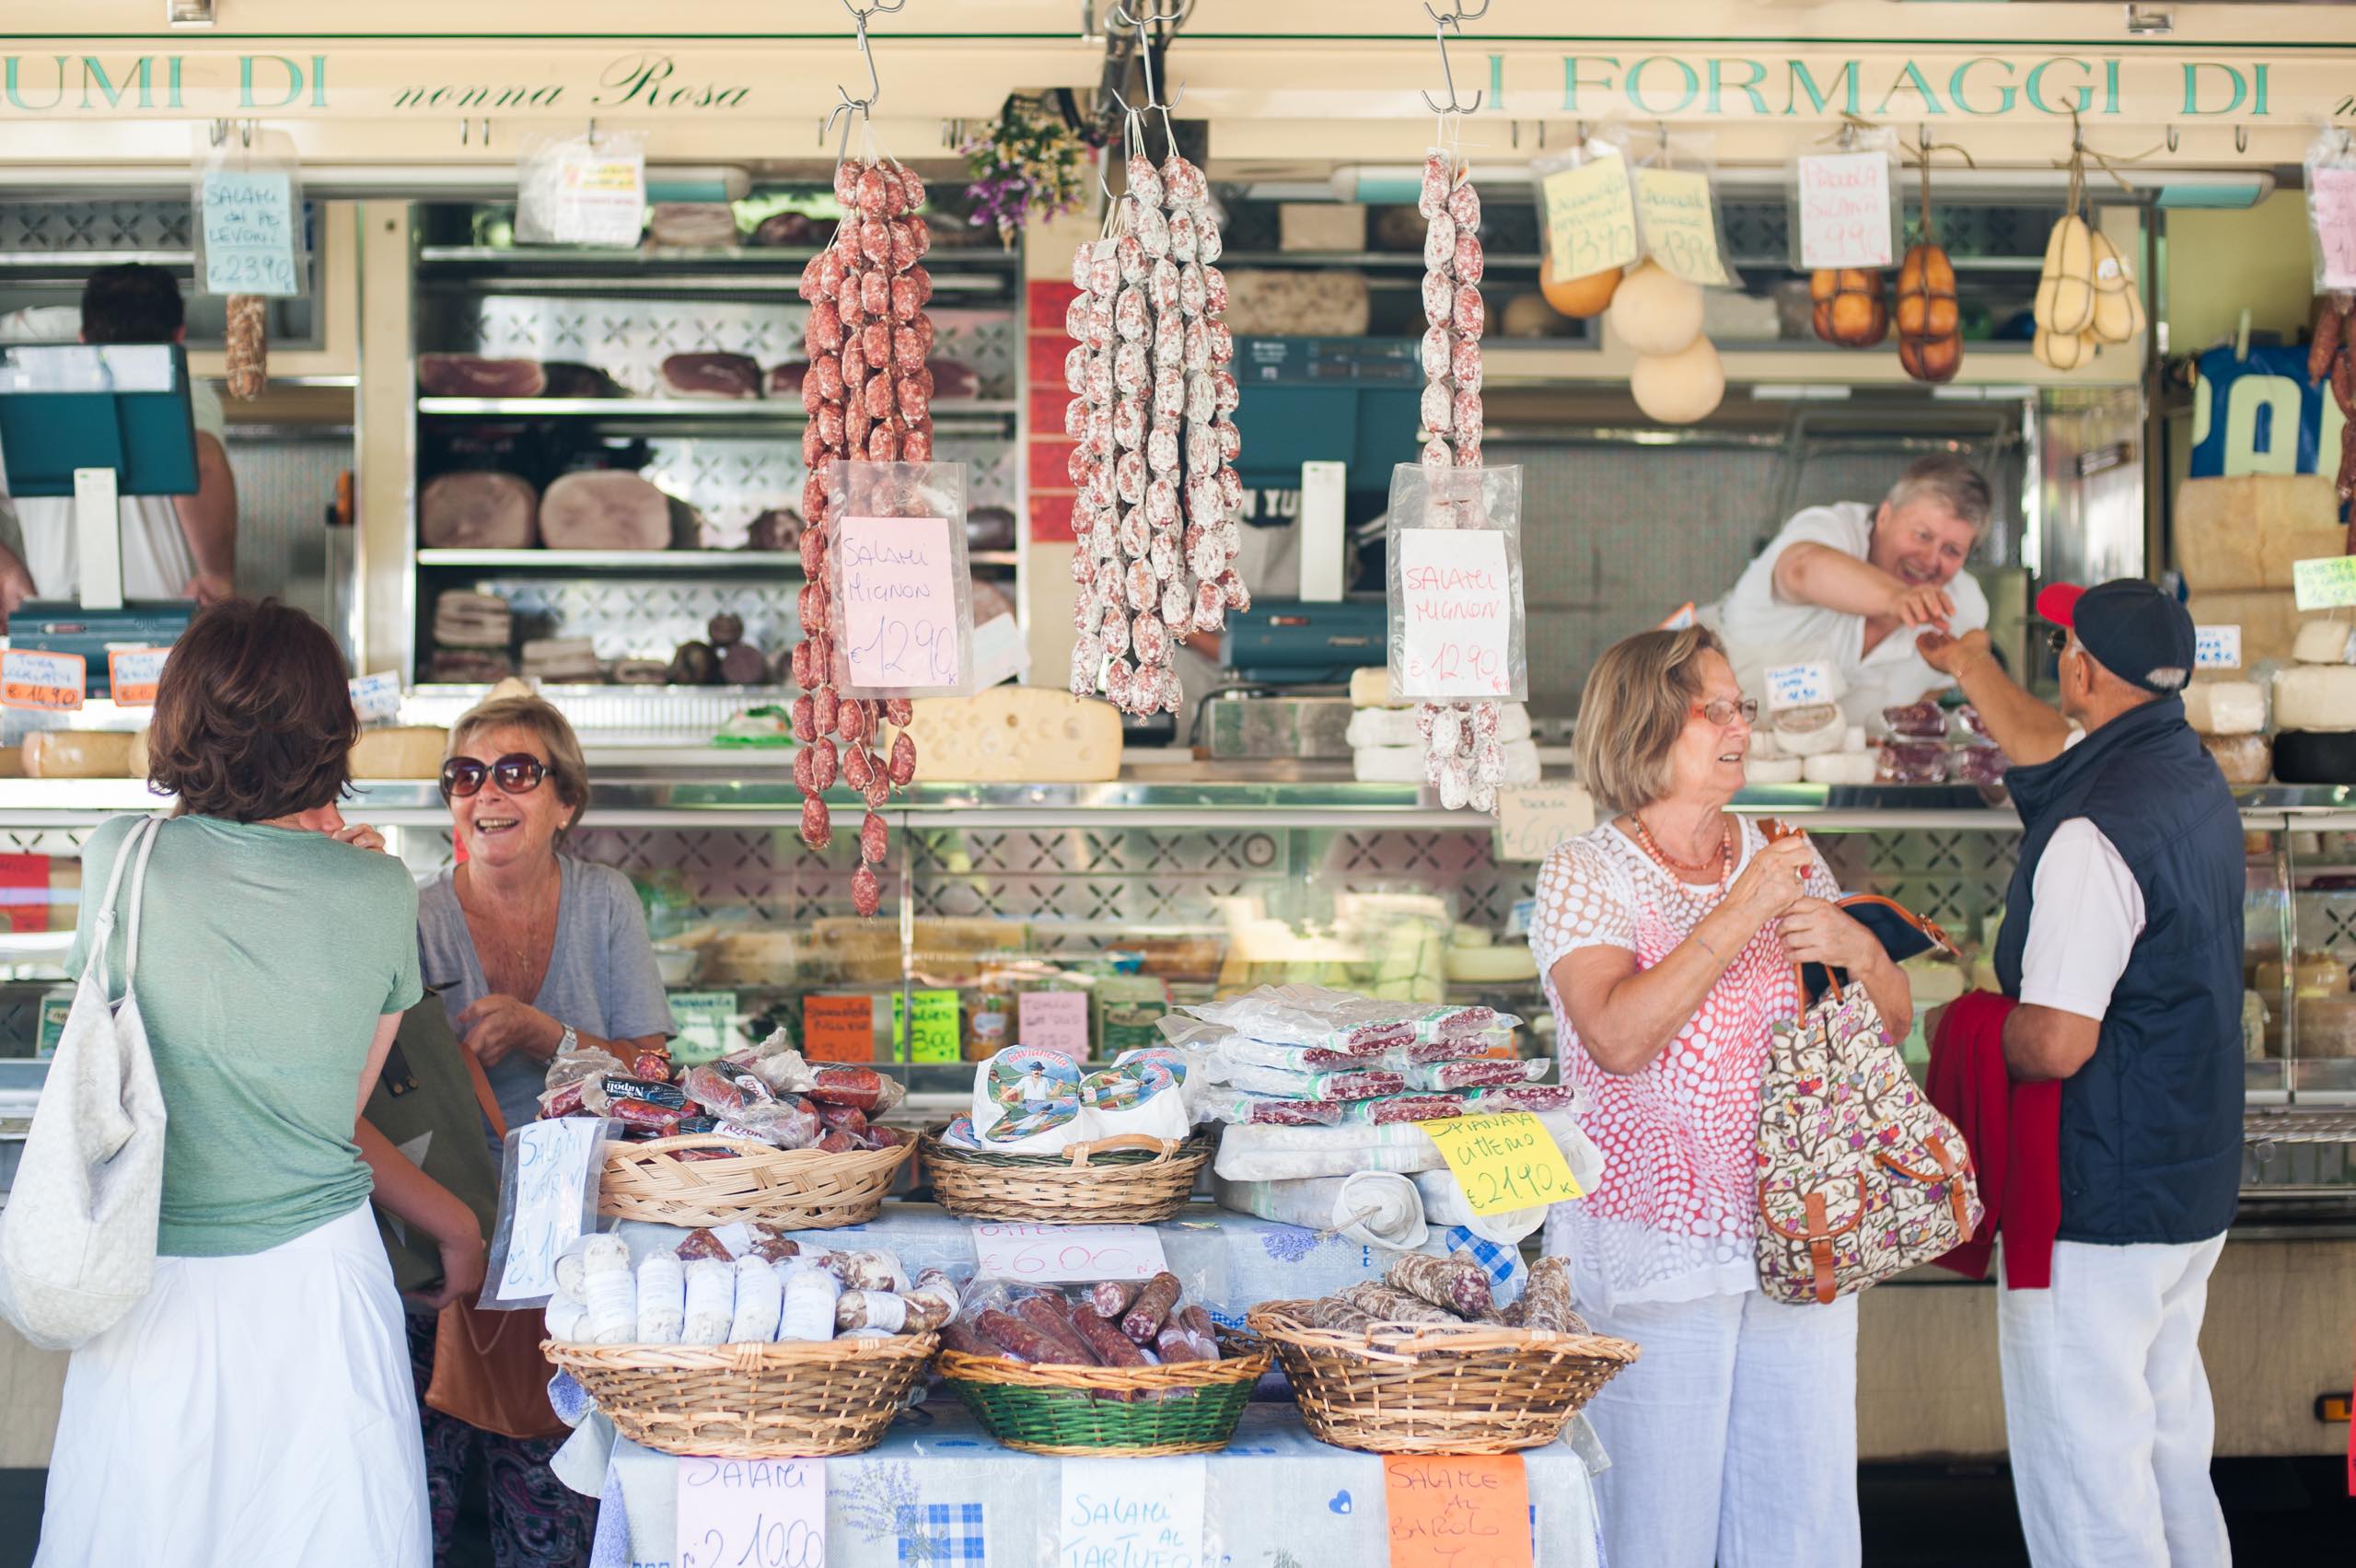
{"x": 377, "y": 698}
{"x": 1532, "y": 818}
{"x": 2326, "y": 584}
{"x": 897, "y": 582}
{"x": 1845, "y": 210}
{"x": 550, "y": 1173}
{"x": 599, "y": 197}
{"x": 2217, "y": 647}
{"x": 1061, "y": 1254}
{"x": 1456, "y": 612}
{"x": 1797, "y": 686}
{"x": 1131, "y": 1512}
{"x": 249, "y": 232}
{"x": 2332, "y": 208}
{"x": 1590, "y": 217}
{"x": 132, "y": 675}
{"x": 752, "y": 1514}
{"x": 50, "y": 682}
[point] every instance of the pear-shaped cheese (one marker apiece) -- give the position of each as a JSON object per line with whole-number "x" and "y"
{"x": 2073, "y": 305}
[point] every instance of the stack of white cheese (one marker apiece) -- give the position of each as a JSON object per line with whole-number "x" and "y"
{"x": 1386, "y": 746}
{"x": 2314, "y": 706}
{"x": 1815, "y": 744}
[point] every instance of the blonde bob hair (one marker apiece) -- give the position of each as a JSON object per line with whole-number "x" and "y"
{"x": 568, "y": 771}
{"x": 1637, "y": 701}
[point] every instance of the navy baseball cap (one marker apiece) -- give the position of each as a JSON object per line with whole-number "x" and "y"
{"x": 2130, "y": 627}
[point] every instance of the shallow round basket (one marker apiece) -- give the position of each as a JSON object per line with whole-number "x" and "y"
{"x": 1132, "y": 1180}
{"x": 1179, "y": 1407}
{"x": 1418, "y": 1389}
{"x": 792, "y": 1189}
{"x": 751, "y": 1401}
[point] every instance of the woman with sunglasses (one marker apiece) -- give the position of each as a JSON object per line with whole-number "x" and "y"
{"x": 1666, "y": 937}
{"x": 534, "y": 952}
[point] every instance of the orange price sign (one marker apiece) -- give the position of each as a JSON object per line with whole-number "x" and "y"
{"x": 132, "y": 675}
{"x": 838, "y": 1029}
{"x": 52, "y": 682}
{"x": 1467, "y": 1512}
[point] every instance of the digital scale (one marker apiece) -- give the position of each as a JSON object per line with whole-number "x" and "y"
{"x": 96, "y": 422}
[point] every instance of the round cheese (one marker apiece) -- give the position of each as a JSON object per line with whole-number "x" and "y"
{"x": 1680, "y": 387}
{"x": 1760, "y": 770}
{"x": 1842, "y": 768}
{"x": 2225, "y": 707}
{"x": 408, "y": 751}
{"x": 1654, "y": 312}
{"x": 1812, "y": 731}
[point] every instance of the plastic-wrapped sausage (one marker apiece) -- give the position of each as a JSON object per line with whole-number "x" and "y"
{"x": 1107, "y": 1343}
{"x": 711, "y": 1302}
{"x": 1547, "y": 1301}
{"x": 702, "y": 1244}
{"x": 966, "y": 1339}
{"x": 932, "y": 1302}
{"x": 1110, "y": 1298}
{"x": 1456, "y": 1283}
{"x": 662, "y": 1299}
{"x": 870, "y": 1310}
{"x": 809, "y": 1295}
{"x": 1015, "y": 1339}
{"x": 1144, "y": 1320}
{"x": 1178, "y": 1342}
{"x": 871, "y": 1269}
{"x": 1050, "y": 1316}
{"x": 759, "y": 1302}
{"x": 248, "y": 360}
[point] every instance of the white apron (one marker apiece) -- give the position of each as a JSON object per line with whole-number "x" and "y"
{"x": 266, "y": 1406}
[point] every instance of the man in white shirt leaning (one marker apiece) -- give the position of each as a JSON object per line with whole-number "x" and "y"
{"x": 173, "y": 546}
{"x": 1851, "y": 586}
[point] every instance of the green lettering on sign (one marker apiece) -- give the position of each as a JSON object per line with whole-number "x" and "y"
{"x": 2326, "y": 584}
{"x": 935, "y": 1030}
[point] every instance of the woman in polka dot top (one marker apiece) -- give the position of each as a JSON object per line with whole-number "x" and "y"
{"x": 1666, "y": 937}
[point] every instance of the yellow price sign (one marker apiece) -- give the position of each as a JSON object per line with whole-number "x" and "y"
{"x": 2326, "y": 584}
{"x": 1681, "y": 225}
{"x": 1503, "y": 1162}
{"x": 1590, "y": 217}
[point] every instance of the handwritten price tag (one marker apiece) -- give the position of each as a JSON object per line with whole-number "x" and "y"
{"x": 838, "y": 1029}
{"x": 752, "y": 1514}
{"x": 1455, "y": 611}
{"x": 1590, "y": 217}
{"x": 1681, "y": 225}
{"x": 599, "y": 197}
{"x": 2326, "y": 584}
{"x": 1468, "y": 1511}
{"x": 900, "y": 602}
{"x": 51, "y": 682}
{"x": 1053, "y": 1020}
{"x": 1532, "y": 818}
{"x": 1131, "y": 1512}
{"x": 1504, "y": 1162}
{"x": 1051, "y": 1254}
{"x": 1845, "y": 210}
{"x": 2331, "y": 207}
{"x": 377, "y": 698}
{"x": 1797, "y": 686}
{"x": 249, "y": 232}
{"x": 706, "y": 1021}
{"x": 132, "y": 675}
{"x": 552, "y": 1169}
{"x": 2217, "y": 647}
{"x": 934, "y": 1035}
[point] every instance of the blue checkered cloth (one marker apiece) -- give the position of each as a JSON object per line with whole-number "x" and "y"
{"x": 941, "y": 1532}
{"x": 1503, "y": 1264}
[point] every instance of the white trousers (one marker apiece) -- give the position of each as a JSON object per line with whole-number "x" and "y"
{"x": 254, "y": 1412}
{"x": 2107, "y": 1409}
{"x": 1734, "y": 1437}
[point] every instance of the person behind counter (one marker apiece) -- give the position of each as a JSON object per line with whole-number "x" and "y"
{"x": 2122, "y": 944}
{"x": 1851, "y": 586}
{"x": 173, "y": 546}
{"x": 258, "y": 1389}
{"x": 1666, "y": 937}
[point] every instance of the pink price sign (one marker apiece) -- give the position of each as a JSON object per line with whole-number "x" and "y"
{"x": 897, "y": 580}
{"x": 2331, "y": 202}
{"x": 1845, "y": 210}
{"x": 1456, "y": 612}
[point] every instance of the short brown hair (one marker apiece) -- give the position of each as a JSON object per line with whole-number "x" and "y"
{"x": 1635, "y": 704}
{"x": 253, "y": 714}
{"x": 567, "y": 769}
{"x": 131, "y": 302}
{"x": 1952, "y": 482}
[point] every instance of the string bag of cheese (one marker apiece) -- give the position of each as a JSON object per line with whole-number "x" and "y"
{"x": 1930, "y": 321}
{"x": 870, "y": 395}
{"x": 1152, "y": 415}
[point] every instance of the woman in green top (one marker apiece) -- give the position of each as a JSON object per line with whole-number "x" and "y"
{"x": 260, "y": 1389}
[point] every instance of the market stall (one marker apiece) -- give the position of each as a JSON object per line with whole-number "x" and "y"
{"x": 605, "y": 466}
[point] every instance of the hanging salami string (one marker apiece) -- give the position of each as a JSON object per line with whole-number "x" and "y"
{"x": 869, "y": 398}
{"x": 1152, "y": 409}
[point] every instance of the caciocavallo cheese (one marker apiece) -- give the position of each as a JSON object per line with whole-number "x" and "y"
{"x": 1015, "y": 735}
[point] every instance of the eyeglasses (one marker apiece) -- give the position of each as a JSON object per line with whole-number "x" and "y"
{"x": 1722, "y": 711}
{"x": 518, "y": 774}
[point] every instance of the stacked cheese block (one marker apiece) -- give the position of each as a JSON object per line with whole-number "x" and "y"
{"x": 1388, "y": 742}
{"x": 1464, "y": 744}
{"x": 869, "y": 397}
{"x": 2315, "y": 707}
{"x": 1815, "y": 744}
{"x": 1153, "y": 416}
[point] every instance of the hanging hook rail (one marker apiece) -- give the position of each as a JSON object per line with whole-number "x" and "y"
{"x": 1441, "y": 22}
{"x": 863, "y": 107}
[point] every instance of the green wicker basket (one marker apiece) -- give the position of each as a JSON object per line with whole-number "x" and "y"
{"x": 1181, "y": 1407}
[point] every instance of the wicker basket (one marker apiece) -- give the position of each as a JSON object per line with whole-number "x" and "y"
{"x": 793, "y": 1189}
{"x": 751, "y": 1401}
{"x": 1133, "y": 1180}
{"x": 1179, "y": 1407}
{"x": 1416, "y": 1388}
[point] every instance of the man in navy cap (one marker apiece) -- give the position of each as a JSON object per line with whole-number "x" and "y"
{"x": 2122, "y": 942}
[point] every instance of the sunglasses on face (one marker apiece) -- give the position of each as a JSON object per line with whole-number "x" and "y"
{"x": 1722, "y": 711}
{"x": 517, "y": 774}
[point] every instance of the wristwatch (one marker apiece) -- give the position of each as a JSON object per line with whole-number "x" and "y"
{"x": 569, "y": 1041}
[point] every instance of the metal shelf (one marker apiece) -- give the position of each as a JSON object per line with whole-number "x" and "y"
{"x": 657, "y": 257}
{"x": 722, "y": 270}
{"x": 779, "y": 561}
{"x": 749, "y": 410}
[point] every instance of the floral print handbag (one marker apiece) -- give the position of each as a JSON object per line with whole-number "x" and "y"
{"x": 1859, "y": 1177}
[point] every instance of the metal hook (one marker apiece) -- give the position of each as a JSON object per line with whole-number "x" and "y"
{"x": 245, "y": 133}
{"x": 1461, "y": 14}
{"x": 2172, "y": 138}
{"x": 220, "y": 132}
{"x": 2241, "y": 138}
{"x": 1440, "y": 26}
{"x": 466, "y": 130}
{"x": 1146, "y": 46}
{"x": 865, "y": 106}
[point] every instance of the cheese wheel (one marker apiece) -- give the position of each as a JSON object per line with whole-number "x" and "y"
{"x": 1813, "y": 731}
{"x": 2316, "y": 697}
{"x": 403, "y": 752}
{"x": 2327, "y": 1027}
{"x": 2225, "y": 707}
{"x": 2321, "y": 641}
{"x": 2326, "y": 756}
{"x": 77, "y": 754}
{"x": 1017, "y": 735}
{"x": 2317, "y": 974}
{"x": 1761, "y": 770}
{"x": 1842, "y": 768}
